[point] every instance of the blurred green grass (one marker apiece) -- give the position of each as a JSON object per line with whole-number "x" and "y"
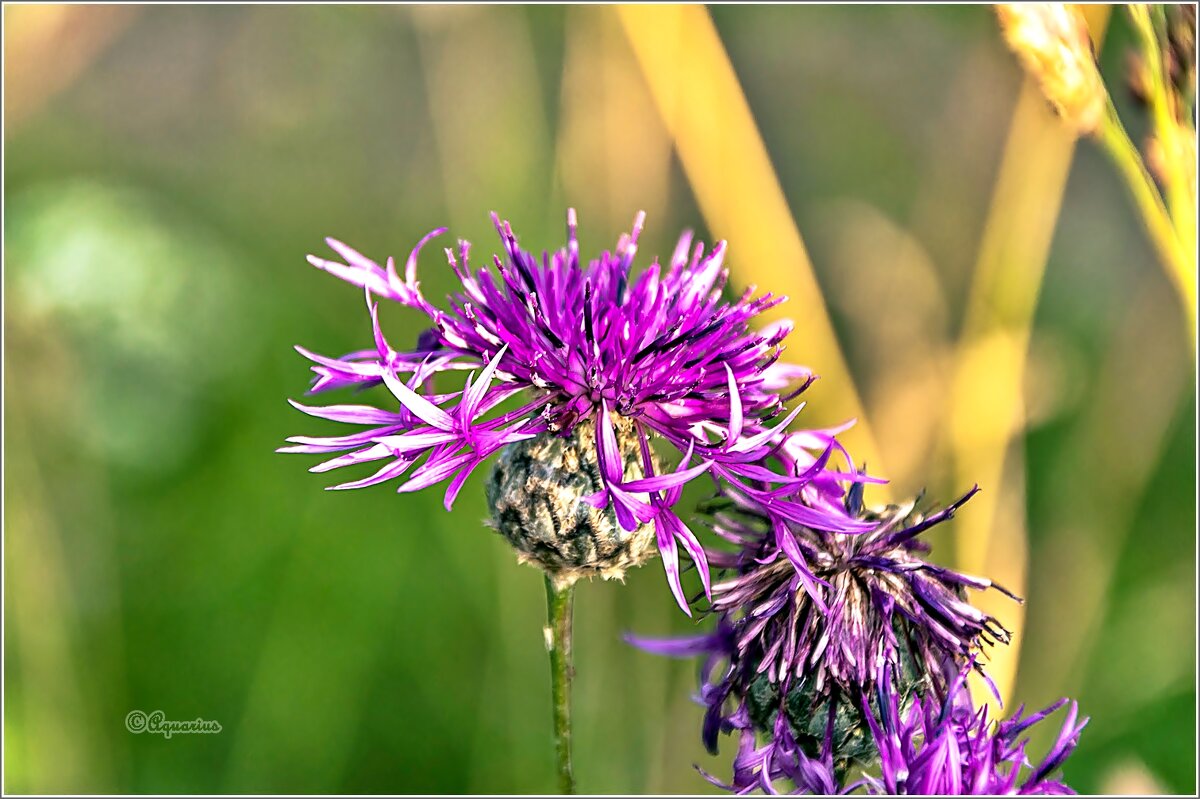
{"x": 158, "y": 555}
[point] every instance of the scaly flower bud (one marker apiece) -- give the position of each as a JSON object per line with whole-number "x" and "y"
{"x": 538, "y": 493}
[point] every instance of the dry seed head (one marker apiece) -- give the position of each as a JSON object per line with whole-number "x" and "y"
{"x": 1051, "y": 40}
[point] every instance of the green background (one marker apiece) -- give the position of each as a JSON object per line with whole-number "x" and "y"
{"x": 159, "y": 203}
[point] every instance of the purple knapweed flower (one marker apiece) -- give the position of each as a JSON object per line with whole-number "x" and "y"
{"x": 921, "y": 745}
{"x": 616, "y": 364}
{"x": 950, "y": 748}
{"x": 836, "y": 609}
{"x": 810, "y": 622}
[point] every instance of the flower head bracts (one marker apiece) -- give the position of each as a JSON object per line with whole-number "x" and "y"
{"x": 587, "y": 343}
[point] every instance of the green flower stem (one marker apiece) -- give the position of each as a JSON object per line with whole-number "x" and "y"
{"x": 560, "y": 600}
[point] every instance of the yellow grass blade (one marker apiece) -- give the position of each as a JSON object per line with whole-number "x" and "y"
{"x": 701, "y": 102}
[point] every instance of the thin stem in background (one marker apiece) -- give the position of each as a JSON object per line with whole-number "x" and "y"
{"x": 560, "y": 601}
{"x": 986, "y": 401}
{"x": 1179, "y": 265}
{"x": 1151, "y": 26}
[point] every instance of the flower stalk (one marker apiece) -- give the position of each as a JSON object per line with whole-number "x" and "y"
{"x": 560, "y": 602}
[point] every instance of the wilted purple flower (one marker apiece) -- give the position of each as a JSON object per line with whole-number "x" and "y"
{"x": 630, "y": 360}
{"x": 837, "y": 609}
{"x": 810, "y": 622}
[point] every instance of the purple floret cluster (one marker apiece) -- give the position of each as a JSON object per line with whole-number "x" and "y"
{"x": 936, "y": 747}
{"x": 953, "y": 748}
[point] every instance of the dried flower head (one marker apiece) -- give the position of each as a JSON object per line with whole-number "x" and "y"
{"x": 1051, "y": 40}
{"x": 622, "y": 363}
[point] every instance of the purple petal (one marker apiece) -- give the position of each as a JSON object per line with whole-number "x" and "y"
{"x": 678, "y": 647}
{"x": 735, "y": 408}
{"x": 410, "y": 266}
{"x": 661, "y": 482}
{"x": 353, "y": 414}
{"x": 670, "y": 559}
{"x": 391, "y": 470}
{"x": 421, "y": 407}
{"x": 608, "y": 451}
{"x": 432, "y": 473}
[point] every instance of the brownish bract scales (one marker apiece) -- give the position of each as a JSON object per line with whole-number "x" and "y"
{"x": 536, "y": 492}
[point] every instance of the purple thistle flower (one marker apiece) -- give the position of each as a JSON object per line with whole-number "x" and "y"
{"x": 837, "y": 609}
{"x": 952, "y": 748}
{"x": 810, "y": 622}
{"x": 629, "y": 360}
{"x": 934, "y": 748}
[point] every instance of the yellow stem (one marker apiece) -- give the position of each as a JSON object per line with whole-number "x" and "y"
{"x": 697, "y": 93}
{"x": 1163, "y": 109}
{"x": 1180, "y": 265}
{"x": 986, "y": 402}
